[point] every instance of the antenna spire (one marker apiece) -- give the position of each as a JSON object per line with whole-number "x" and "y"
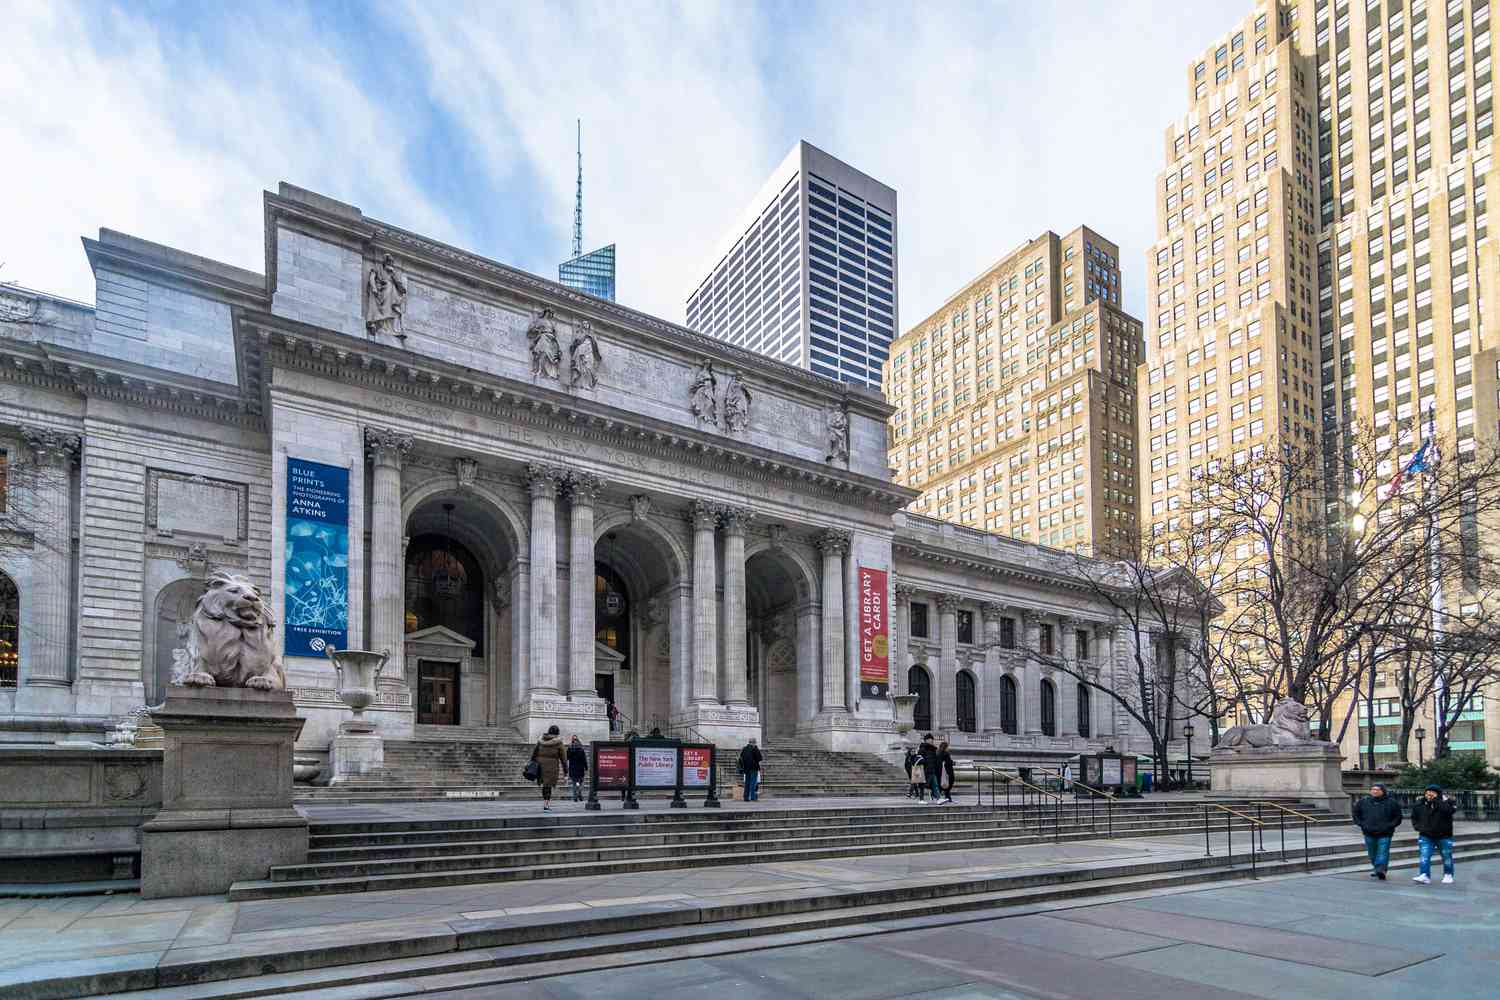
{"x": 578, "y": 201}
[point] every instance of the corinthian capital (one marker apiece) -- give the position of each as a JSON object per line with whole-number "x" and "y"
{"x": 384, "y": 446}
{"x": 947, "y": 604}
{"x": 704, "y": 515}
{"x": 584, "y": 487}
{"x": 544, "y": 480}
{"x": 50, "y": 447}
{"x": 992, "y": 612}
{"x": 904, "y": 593}
{"x": 737, "y": 519}
{"x": 834, "y": 541}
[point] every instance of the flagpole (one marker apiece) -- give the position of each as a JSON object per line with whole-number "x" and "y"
{"x": 1435, "y": 597}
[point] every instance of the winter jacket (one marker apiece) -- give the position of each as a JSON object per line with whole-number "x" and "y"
{"x": 929, "y": 752}
{"x": 750, "y": 758}
{"x": 1377, "y": 817}
{"x": 945, "y": 761}
{"x": 578, "y": 762}
{"x": 911, "y": 758}
{"x": 1434, "y": 819}
{"x": 549, "y": 753}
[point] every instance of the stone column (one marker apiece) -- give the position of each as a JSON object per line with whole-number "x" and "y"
{"x": 385, "y": 450}
{"x": 1104, "y": 706}
{"x": 543, "y": 483}
{"x": 901, "y": 640}
{"x": 705, "y": 518}
{"x": 945, "y": 684}
{"x": 736, "y": 520}
{"x": 1067, "y": 694}
{"x": 583, "y": 490}
{"x": 50, "y": 591}
{"x": 834, "y": 545}
{"x": 990, "y": 682}
{"x": 1031, "y": 693}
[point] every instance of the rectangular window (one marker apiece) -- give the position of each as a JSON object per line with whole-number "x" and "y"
{"x": 918, "y": 620}
{"x": 966, "y": 627}
{"x": 1007, "y": 633}
{"x": 1044, "y": 640}
{"x": 1083, "y": 644}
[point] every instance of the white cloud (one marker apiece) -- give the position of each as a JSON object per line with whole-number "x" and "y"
{"x": 175, "y": 143}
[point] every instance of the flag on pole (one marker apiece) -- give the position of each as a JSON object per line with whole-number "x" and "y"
{"x": 1426, "y": 458}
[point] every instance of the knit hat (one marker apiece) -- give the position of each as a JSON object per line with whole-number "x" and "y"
{"x": 1435, "y": 788}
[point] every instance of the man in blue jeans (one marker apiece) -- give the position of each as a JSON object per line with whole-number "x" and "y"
{"x": 1433, "y": 820}
{"x": 1377, "y": 815}
{"x": 750, "y": 758}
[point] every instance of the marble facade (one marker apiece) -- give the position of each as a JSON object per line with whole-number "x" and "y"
{"x": 713, "y": 505}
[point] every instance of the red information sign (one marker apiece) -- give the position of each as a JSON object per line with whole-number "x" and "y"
{"x": 874, "y": 634}
{"x": 695, "y": 766}
{"x": 612, "y": 766}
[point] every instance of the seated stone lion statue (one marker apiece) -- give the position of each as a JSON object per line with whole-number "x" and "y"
{"x": 230, "y": 641}
{"x": 1287, "y": 728}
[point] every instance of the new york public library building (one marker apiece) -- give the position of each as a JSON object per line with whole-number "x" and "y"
{"x": 540, "y": 503}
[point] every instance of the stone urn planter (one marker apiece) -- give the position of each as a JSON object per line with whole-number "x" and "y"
{"x": 904, "y": 706}
{"x": 357, "y": 673}
{"x": 305, "y": 769}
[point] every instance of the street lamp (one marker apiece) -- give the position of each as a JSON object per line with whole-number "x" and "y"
{"x": 1187, "y": 731}
{"x": 1420, "y": 734}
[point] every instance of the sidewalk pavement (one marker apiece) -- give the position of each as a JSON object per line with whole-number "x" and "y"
{"x": 54, "y": 938}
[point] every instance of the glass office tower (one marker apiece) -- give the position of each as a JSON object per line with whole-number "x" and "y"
{"x": 808, "y": 274}
{"x": 592, "y": 272}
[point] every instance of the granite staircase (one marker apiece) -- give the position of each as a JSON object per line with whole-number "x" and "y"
{"x": 360, "y": 856}
{"x": 478, "y": 764}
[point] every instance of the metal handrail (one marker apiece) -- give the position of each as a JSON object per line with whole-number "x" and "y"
{"x": 1229, "y": 833}
{"x": 1016, "y": 779}
{"x": 1109, "y": 805}
{"x": 1282, "y": 812}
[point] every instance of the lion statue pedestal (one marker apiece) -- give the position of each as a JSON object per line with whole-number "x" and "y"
{"x": 1279, "y": 759}
{"x": 228, "y": 727}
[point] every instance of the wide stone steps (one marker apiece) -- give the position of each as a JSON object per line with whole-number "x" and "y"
{"x": 490, "y": 953}
{"x": 364, "y": 857}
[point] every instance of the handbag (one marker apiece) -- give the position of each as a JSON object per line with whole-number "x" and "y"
{"x": 533, "y": 769}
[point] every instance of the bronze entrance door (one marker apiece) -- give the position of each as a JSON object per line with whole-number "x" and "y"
{"x": 437, "y": 693}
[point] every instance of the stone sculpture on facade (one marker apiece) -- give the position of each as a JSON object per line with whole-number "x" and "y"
{"x": 385, "y": 300}
{"x": 546, "y": 352}
{"x": 231, "y": 644}
{"x": 736, "y": 404}
{"x": 1288, "y": 728}
{"x": 640, "y": 507}
{"x": 838, "y": 434}
{"x": 703, "y": 396}
{"x": 584, "y": 354}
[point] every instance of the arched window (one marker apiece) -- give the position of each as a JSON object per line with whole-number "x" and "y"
{"x": 1049, "y": 709}
{"x": 1008, "y": 705}
{"x": 10, "y": 632}
{"x": 444, "y": 586}
{"x": 968, "y": 715}
{"x": 1083, "y": 709}
{"x": 920, "y": 685}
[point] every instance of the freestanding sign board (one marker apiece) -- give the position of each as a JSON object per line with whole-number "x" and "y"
{"x": 654, "y": 764}
{"x": 1110, "y": 771}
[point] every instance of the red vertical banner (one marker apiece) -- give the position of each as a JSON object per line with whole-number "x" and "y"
{"x": 874, "y": 633}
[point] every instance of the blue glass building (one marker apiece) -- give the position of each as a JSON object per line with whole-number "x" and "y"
{"x": 808, "y": 274}
{"x": 593, "y": 272}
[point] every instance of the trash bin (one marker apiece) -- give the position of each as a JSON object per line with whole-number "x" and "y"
{"x": 1145, "y": 777}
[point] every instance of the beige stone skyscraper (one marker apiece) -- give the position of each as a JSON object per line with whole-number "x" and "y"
{"x": 1015, "y": 400}
{"x": 1325, "y": 262}
{"x": 1232, "y": 348}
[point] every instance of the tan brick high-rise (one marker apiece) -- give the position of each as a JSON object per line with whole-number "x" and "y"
{"x": 1016, "y": 399}
{"x": 1340, "y": 272}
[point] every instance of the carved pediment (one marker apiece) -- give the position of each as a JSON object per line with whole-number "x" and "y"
{"x": 603, "y": 654}
{"x": 438, "y": 635}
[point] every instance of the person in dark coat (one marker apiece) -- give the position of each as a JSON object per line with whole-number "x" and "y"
{"x": 1432, "y": 818}
{"x": 911, "y": 758}
{"x": 750, "y": 758}
{"x": 578, "y": 766}
{"x": 1377, "y": 815}
{"x": 552, "y": 758}
{"x": 948, "y": 778}
{"x": 932, "y": 768}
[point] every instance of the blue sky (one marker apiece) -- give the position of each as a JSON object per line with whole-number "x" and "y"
{"x": 993, "y": 122}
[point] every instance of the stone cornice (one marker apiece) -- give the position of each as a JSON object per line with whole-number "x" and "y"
{"x": 265, "y": 339}
{"x": 51, "y": 368}
{"x": 175, "y": 269}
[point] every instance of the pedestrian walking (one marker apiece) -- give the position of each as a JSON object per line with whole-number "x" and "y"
{"x": 1067, "y": 777}
{"x": 932, "y": 768}
{"x": 948, "y": 778}
{"x": 578, "y": 766}
{"x": 750, "y": 758}
{"x": 614, "y": 718}
{"x": 551, "y": 758}
{"x": 919, "y": 779}
{"x": 1432, "y": 818}
{"x": 912, "y": 757}
{"x": 1377, "y": 815}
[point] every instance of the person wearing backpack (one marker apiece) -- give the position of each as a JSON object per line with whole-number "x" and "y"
{"x": 550, "y": 758}
{"x": 578, "y": 767}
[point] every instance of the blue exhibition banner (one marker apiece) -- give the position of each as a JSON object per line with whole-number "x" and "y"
{"x": 317, "y": 557}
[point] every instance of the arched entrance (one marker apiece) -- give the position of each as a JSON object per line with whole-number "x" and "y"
{"x": 778, "y": 651}
{"x": 1008, "y": 712}
{"x": 460, "y": 566}
{"x": 967, "y": 703}
{"x": 1049, "y": 708}
{"x": 640, "y": 600}
{"x": 919, "y": 683}
{"x": 10, "y": 632}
